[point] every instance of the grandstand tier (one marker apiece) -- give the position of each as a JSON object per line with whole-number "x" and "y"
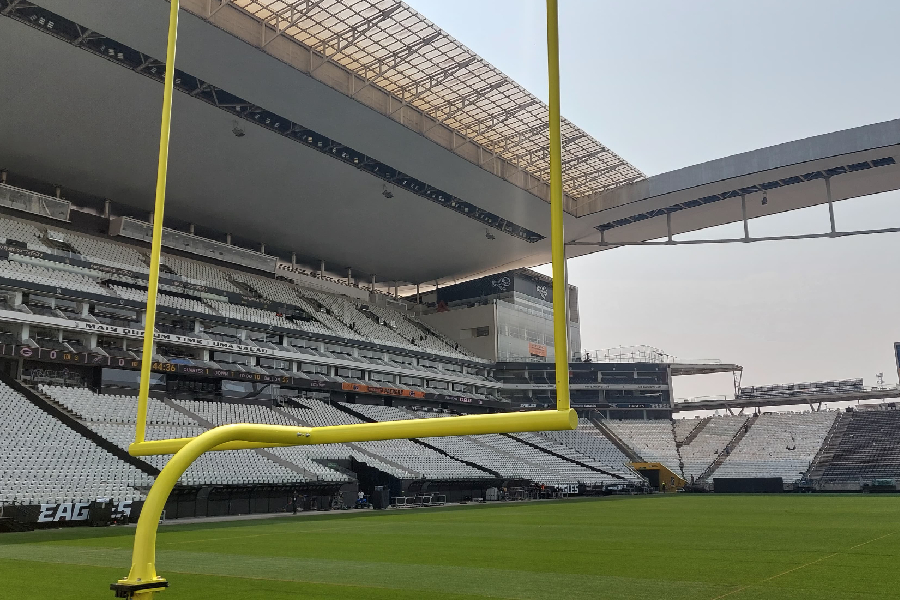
{"x": 238, "y": 344}
{"x": 76, "y": 442}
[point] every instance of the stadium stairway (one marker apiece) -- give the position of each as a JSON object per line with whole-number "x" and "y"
{"x": 367, "y": 419}
{"x": 562, "y": 457}
{"x": 271, "y": 456}
{"x": 711, "y": 469}
{"x": 829, "y": 446}
{"x": 616, "y": 440}
{"x": 53, "y": 409}
{"x": 694, "y": 433}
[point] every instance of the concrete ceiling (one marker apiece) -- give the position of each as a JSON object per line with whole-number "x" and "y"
{"x": 92, "y": 125}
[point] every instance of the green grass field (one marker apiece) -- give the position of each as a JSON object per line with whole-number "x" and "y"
{"x": 737, "y": 547}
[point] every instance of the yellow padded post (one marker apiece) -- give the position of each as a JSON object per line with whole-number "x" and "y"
{"x": 557, "y": 234}
{"x": 161, "y": 172}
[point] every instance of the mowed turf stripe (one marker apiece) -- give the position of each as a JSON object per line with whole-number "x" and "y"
{"x": 484, "y": 582}
{"x": 803, "y": 566}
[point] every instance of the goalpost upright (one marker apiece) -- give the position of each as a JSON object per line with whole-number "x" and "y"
{"x": 142, "y": 581}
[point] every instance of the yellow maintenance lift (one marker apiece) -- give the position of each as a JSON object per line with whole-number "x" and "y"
{"x": 658, "y": 474}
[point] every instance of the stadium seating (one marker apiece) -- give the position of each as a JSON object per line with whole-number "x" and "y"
{"x": 346, "y": 311}
{"x": 867, "y": 449}
{"x": 420, "y": 334}
{"x": 114, "y": 418}
{"x": 316, "y": 312}
{"x": 590, "y": 441}
{"x": 684, "y": 427}
{"x": 653, "y": 441}
{"x": 250, "y": 314}
{"x": 164, "y": 300}
{"x": 91, "y": 407}
{"x": 103, "y": 251}
{"x": 712, "y": 440}
{"x": 44, "y": 461}
{"x": 778, "y": 445}
{"x": 412, "y": 456}
{"x": 13, "y": 230}
{"x": 51, "y": 277}
{"x": 199, "y": 273}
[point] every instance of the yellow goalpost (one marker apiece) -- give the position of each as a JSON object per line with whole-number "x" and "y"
{"x": 142, "y": 580}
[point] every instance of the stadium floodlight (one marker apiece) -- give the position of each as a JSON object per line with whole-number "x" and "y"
{"x": 142, "y": 580}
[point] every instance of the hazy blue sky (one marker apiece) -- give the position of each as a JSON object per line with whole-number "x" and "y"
{"x": 667, "y": 85}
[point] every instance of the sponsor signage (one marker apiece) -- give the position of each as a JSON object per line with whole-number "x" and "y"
{"x": 176, "y": 339}
{"x": 383, "y": 391}
{"x": 74, "y": 513}
{"x": 98, "y": 360}
{"x": 537, "y": 349}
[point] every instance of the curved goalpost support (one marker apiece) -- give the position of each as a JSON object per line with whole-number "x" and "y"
{"x": 142, "y": 580}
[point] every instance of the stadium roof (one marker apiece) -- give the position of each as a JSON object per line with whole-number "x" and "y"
{"x": 388, "y": 44}
{"x": 341, "y": 157}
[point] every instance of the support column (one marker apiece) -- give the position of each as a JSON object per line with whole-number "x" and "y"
{"x": 744, "y": 217}
{"x": 321, "y": 269}
{"x": 373, "y": 282}
{"x": 669, "y": 226}
{"x": 349, "y": 276}
{"x": 418, "y": 298}
{"x": 107, "y": 206}
{"x": 396, "y": 290}
{"x": 228, "y": 238}
{"x": 59, "y": 192}
{"x": 3, "y": 175}
{"x": 191, "y": 228}
{"x": 293, "y": 260}
{"x": 262, "y": 247}
{"x": 830, "y": 204}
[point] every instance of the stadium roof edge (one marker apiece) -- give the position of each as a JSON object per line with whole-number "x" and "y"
{"x": 796, "y": 152}
{"x": 835, "y": 166}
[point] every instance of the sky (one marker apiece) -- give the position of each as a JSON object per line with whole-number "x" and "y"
{"x": 667, "y": 85}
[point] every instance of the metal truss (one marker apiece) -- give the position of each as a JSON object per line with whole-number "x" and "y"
{"x": 742, "y": 193}
{"x": 388, "y": 44}
{"x": 740, "y": 240}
